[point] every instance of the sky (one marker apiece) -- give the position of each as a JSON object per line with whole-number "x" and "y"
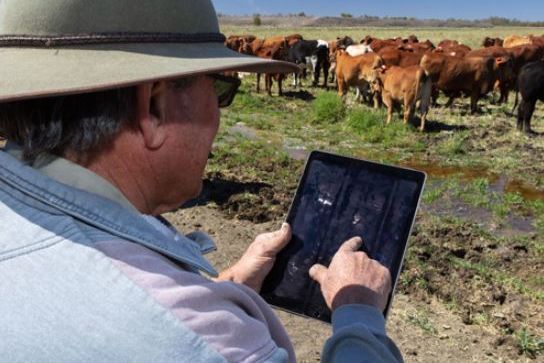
{"x": 528, "y": 10}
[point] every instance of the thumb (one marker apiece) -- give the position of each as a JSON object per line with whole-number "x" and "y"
{"x": 273, "y": 242}
{"x": 318, "y": 272}
{"x": 279, "y": 238}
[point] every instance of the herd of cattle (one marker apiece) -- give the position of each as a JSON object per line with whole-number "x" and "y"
{"x": 409, "y": 72}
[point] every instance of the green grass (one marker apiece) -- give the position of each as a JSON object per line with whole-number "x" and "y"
{"x": 369, "y": 124}
{"x": 528, "y": 344}
{"x": 328, "y": 108}
{"x": 254, "y": 159}
{"x": 434, "y": 194}
{"x": 492, "y": 273}
{"x": 421, "y": 320}
{"x": 454, "y": 145}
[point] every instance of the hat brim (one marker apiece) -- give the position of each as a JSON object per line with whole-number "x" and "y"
{"x": 40, "y": 72}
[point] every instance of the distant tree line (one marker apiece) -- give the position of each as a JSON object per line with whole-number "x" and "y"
{"x": 347, "y": 19}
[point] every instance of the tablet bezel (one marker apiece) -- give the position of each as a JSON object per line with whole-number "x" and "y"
{"x": 407, "y": 174}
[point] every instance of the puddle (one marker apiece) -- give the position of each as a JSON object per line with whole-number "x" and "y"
{"x": 297, "y": 152}
{"x": 511, "y": 226}
{"x": 241, "y": 129}
{"x": 497, "y": 183}
{"x": 528, "y": 192}
{"x": 442, "y": 172}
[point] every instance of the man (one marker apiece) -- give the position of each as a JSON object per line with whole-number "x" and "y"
{"x": 110, "y": 109}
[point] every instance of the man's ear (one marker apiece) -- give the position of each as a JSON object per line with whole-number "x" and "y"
{"x": 150, "y": 113}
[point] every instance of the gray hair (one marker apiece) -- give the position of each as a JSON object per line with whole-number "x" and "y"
{"x": 76, "y": 123}
{"x": 79, "y": 124}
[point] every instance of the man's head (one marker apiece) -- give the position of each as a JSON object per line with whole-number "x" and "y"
{"x": 126, "y": 88}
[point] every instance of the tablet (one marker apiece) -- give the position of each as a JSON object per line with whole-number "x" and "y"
{"x": 339, "y": 198}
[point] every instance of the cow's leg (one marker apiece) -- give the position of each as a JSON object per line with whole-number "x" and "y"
{"x": 423, "y": 121}
{"x": 389, "y": 114}
{"x": 280, "y": 81}
{"x": 435, "y": 93}
{"x": 317, "y": 71}
{"x": 519, "y": 124}
{"x": 389, "y": 103}
{"x": 358, "y": 94}
{"x": 295, "y": 78}
{"x": 268, "y": 84}
{"x": 341, "y": 87}
{"x": 258, "y": 83}
{"x": 326, "y": 65}
{"x": 474, "y": 97}
{"x": 376, "y": 99}
{"x": 526, "y": 110}
{"x": 332, "y": 72}
{"x": 504, "y": 93}
{"x": 408, "y": 108}
{"x": 449, "y": 104}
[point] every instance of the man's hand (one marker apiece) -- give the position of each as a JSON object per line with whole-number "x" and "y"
{"x": 258, "y": 259}
{"x": 353, "y": 278}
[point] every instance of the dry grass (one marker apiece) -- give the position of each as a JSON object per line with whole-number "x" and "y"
{"x": 470, "y": 36}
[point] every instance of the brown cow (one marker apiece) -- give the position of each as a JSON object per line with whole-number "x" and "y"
{"x": 237, "y": 42}
{"x": 491, "y": 42}
{"x": 418, "y": 47}
{"x": 504, "y": 68}
{"x": 378, "y": 44}
{"x": 356, "y": 72}
{"x": 290, "y": 40}
{"x": 515, "y": 40}
{"x": 523, "y": 54}
{"x": 395, "y": 56}
{"x": 474, "y": 76}
{"x": 446, "y": 43}
{"x": 334, "y": 46}
{"x": 452, "y": 48}
{"x": 270, "y": 49}
{"x": 405, "y": 86}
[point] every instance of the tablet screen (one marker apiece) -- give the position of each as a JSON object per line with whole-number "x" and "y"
{"x": 339, "y": 198}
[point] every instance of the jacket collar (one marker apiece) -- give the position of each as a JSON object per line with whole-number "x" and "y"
{"x": 79, "y": 192}
{"x": 66, "y": 172}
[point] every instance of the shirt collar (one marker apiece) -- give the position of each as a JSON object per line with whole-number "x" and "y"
{"x": 66, "y": 172}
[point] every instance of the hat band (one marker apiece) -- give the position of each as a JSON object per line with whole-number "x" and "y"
{"x": 107, "y": 38}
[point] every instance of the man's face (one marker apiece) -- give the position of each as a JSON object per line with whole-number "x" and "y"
{"x": 191, "y": 116}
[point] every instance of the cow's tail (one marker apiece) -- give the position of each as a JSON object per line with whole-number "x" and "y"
{"x": 424, "y": 88}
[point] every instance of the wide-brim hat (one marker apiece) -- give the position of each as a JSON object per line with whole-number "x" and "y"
{"x": 59, "y": 47}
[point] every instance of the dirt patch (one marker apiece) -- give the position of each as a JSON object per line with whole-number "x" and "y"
{"x": 256, "y": 202}
{"x": 423, "y": 326}
{"x": 466, "y": 268}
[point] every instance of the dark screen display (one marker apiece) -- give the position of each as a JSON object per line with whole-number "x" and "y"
{"x": 339, "y": 198}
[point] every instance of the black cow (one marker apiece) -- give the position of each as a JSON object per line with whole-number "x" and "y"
{"x": 312, "y": 53}
{"x": 531, "y": 88}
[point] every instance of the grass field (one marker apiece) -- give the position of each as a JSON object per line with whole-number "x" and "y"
{"x": 478, "y": 246}
{"x": 472, "y": 37}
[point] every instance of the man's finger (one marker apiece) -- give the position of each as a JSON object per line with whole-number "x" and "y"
{"x": 317, "y": 272}
{"x": 351, "y": 245}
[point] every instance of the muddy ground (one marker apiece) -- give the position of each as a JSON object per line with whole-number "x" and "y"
{"x": 425, "y": 329}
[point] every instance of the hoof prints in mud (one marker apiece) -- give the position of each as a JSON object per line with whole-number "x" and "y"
{"x": 253, "y": 201}
{"x": 472, "y": 271}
